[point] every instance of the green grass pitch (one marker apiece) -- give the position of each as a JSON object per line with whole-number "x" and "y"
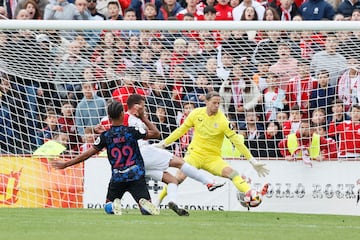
{"x": 29, "y": 224}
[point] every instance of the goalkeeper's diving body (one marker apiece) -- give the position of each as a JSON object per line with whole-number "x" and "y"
{"x": 157, "y": 161}
{"x": 204, "y": 151}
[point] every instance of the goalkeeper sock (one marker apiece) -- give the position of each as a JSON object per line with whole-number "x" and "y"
{"x": 162, "y": 195}
{"x": 172, "y": 192}
{"x": 196, "y": 174}
{"x": 241, "y": 184}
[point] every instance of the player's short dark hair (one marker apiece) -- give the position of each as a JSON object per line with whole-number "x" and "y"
{"x": 115, "y": 108}
{"x": 134, "y": 99}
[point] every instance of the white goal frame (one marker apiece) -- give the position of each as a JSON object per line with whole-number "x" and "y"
{"x": 181, "y": 25}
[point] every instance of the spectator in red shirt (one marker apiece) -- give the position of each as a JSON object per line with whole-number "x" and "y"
{"x": 67, "y": 125}
{"x": 191, "y": 8}
{"x": 180, "y": 83}
{"x": 121, "y": 94}
{"x": 349, "y": 134}
{"x": 302, "y": 144}
{"x": 329, "y": 152}
{"x": 223, "y": 11}
{"x": 293, "y": 123}
{"x": 281, "y": 117}
{"x": 179, "y": 53}
{"x": 299, "y": 88}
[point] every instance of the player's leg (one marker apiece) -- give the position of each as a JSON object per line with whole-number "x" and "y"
{"x": 160, "y": 159}
{"x": 114, "y": 194}
{"x": 139, "y": 191}
{"x": 172, "y": 186}
{"x": 156, "y": 162}
{"x": 171, "y": 189}
{"x": 248, "y": 194}
{"x": 179, "y": 175}
{"x": 217, "y": 166}
{"x": 194, "y": 173}
{"x": 155, "y": 158}
{"x": 240, "y": 183}
{"x": 172, "y": 194}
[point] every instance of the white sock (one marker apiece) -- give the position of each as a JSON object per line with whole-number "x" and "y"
{"x": 172, "y": 192}
{"x": 196, "y": 174}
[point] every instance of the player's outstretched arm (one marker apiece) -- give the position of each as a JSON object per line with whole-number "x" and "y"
{"x": 58, "y": 164}
{"x": 259, "y": 167}
{"x": 175, "y": 135}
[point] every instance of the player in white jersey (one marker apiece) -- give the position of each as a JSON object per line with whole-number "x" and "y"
{"x": 157, "y": 160}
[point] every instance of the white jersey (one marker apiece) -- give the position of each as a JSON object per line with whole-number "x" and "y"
{"x": 133, "y": 121}
{"x": 156, "y": 160}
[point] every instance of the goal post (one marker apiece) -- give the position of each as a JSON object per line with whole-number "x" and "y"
{"x": 58, "y": 76}
{"x": 182, "y": 25}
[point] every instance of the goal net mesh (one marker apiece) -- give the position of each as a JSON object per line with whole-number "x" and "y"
{"x": 55, "y": 85}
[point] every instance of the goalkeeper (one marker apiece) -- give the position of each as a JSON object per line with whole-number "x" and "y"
{"x": 204, "y": 151}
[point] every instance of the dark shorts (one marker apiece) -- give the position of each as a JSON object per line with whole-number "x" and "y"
{"x": 138, "y": 189}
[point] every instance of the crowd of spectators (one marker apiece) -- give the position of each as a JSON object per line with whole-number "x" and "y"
{"x": 271, "y": 82}
{"x": 237, "y": 10}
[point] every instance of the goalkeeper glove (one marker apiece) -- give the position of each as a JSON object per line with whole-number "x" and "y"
{"x": 161, "y": 144}
{"x": 259, "y": 167}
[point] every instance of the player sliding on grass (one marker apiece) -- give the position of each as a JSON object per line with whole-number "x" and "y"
{"x": 157, "y": 161}
{"x": 204, "y": 152}
{"x": 127, "y": 165}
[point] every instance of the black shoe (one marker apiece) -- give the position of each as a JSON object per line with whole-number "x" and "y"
{"x": 179, "y": 211}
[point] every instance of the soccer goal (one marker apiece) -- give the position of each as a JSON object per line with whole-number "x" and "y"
{"x": 58, "y": 76}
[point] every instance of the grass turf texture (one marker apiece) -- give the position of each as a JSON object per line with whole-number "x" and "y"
{"x": 28, "y": 224}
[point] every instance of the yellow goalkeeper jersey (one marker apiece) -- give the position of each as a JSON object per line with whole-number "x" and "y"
{"x": 209, "y": 132}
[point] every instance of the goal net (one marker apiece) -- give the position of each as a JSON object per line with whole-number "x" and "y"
{"x": 274, "y": 79}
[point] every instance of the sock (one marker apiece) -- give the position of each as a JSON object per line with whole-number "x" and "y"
{"x": 196, "y": 174}
{"x": 241, "y": 184}
{"x": 162, "y": 194}
{"x": 108, "y": 208}
{"x": 172, "y": 192}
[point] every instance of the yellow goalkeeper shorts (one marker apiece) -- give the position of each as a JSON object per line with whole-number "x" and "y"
{"x": 212, "y": 164}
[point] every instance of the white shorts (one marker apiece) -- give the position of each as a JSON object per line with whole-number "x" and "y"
{"x": 156, "y": 161}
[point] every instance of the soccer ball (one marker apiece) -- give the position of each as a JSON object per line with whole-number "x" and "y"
{"x": 250, "y": 199}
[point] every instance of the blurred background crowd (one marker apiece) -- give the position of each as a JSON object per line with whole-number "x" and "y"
{"x": 275, "y": 85}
